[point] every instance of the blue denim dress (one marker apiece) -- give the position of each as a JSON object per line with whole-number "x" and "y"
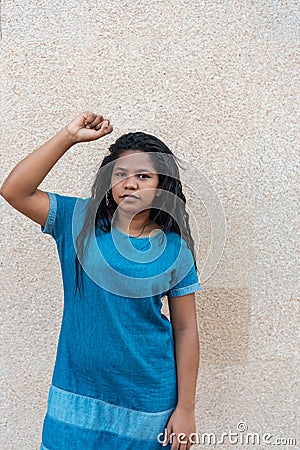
{"x": 114, "y": 382}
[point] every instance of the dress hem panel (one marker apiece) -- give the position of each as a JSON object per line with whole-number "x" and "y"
{"x": 97, "y": 415}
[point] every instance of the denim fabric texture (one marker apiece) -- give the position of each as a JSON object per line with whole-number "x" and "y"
{"x": 114, "y": 381}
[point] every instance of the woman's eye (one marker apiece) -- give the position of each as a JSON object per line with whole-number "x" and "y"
{"x": 120, "y": 174}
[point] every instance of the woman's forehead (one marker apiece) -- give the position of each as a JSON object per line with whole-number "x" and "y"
{"x": 134, "y": 159}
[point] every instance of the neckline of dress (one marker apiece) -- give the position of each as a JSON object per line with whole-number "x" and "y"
{"x": 157, "y": 233}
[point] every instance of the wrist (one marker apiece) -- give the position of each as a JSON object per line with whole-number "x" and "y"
{"x": 188, "y": 407}
{"x": 69, "y": 137}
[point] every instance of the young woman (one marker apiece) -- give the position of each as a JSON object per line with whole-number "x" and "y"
{"x": 124, "y": 376}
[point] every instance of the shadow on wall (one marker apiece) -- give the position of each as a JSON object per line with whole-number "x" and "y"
{"x": 224, "y": 320}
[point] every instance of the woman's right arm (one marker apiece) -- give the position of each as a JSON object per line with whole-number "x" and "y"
{"x": 20, "y": 188}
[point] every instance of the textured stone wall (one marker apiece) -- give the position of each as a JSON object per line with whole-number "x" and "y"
{"x": 217, "y": 81}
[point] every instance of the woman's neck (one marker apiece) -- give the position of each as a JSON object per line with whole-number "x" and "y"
{"x": 139, "y": 225}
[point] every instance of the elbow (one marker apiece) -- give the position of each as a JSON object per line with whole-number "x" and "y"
{"x": 190, "y": 330}
{"x": 6, "y": 193}
{"x": 2, "y": 191}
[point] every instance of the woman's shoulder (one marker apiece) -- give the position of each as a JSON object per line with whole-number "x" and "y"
{"x": 173, "y": 241}
{"x": 60, "y": 215}
{"x": 64, "y": 199}
{"x": 174, "y": 237}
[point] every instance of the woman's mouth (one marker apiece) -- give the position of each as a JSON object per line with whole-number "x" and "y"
{"x": 129, "y": 197}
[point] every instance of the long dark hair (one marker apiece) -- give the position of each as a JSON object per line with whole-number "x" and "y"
{"x": 99, "y": 205}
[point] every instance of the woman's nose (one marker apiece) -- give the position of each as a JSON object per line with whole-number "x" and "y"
{"x": 130, "y": 183}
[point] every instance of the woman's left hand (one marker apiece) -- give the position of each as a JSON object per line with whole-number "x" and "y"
{"x": 180, "y": 426}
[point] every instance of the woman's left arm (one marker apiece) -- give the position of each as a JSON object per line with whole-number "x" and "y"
{"x": 184, "y": 323}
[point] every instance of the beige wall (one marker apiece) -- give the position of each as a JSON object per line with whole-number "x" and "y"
{"x": 216, "y": 80}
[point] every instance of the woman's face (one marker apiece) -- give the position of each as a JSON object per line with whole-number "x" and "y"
{"x": 134, "y": 181}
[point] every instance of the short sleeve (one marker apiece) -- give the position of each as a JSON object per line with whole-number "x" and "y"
{"x": 187, "y": 285}
{"x": 184, "y": 276}
{"x": 59, "y": 220}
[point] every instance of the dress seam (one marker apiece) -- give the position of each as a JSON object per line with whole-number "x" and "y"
{"x": 146, "y": 413}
